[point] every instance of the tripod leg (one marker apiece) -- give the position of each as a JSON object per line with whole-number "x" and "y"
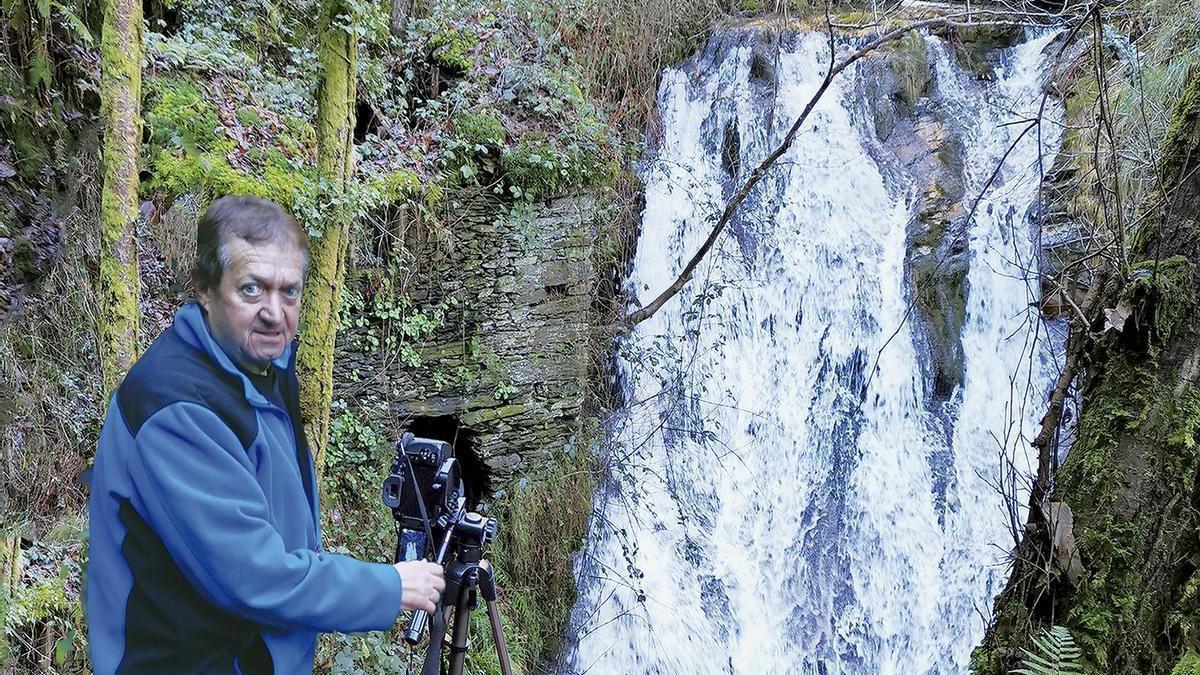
{"x": 498, "y": 636}
{"x": 487, "y": 588}
{"x": 462, "y": 624}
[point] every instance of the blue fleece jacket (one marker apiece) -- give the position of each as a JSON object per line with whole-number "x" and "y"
{"x": 205, "y": 551}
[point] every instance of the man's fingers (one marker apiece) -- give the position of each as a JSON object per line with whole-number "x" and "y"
{"x": 423, "y": 583}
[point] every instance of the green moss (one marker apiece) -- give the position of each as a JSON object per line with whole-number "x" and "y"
{"x": 211, "y": 175}
{"x": 539, "y": 167}
{"x": 853, "y": 18}
{"x": 451, "y": 50}
{"x": 974, "y": 45}
{"x": 1131, "y": 400}
{"x": 910, "y": 62}
{"x": 479, "y": 129}
{"x": 1135, "y": 427}
{"x": 249, "y": 117}
{"x": 941, "y": 296}
{"x": 1170, "y": 283}
{"x": 1183, "y": 132}
{"x": 189, "y": 150}
{"x": 23, "y": 259}
{"x": 396, "y": 186}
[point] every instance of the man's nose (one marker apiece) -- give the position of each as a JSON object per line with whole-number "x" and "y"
{"x": 271, "y": 309}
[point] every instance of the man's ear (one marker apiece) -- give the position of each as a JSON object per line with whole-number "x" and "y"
{"x": 202, "y": 297}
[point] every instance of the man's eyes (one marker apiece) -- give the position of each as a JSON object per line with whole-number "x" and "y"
{"x": 254, "y": 290}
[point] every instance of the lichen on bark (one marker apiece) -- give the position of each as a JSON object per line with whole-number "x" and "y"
{"x": 120, "y": 94}
{"x": 327, "y": 257}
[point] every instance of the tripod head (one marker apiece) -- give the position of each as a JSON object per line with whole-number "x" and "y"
{"x": 468, "y": 532}
{"x": 471, "y": 535}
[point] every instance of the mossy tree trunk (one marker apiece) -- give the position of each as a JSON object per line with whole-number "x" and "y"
{"x": 327, "y": 258}
{"x": 10, "y": 576}
{"x": 1132, "y": 477}
{"x": 120, "y": 100}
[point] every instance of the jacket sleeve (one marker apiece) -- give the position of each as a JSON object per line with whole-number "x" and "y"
{"x": 197, "y": 490}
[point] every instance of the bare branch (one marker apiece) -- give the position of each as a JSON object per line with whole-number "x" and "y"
{"x": 760, "y": 171}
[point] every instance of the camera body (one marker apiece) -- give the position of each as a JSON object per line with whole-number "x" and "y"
{"x": 424, "y": 489}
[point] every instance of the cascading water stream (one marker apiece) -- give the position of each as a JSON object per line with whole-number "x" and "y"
{"x": 779, "y": 504}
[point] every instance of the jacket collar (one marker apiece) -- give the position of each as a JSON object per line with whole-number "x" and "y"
{"x": 192, "y": 328}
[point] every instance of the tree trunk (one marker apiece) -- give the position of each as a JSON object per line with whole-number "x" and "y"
{"x": 327, "y": 257}
{"x": 120, "y": 100}
{"x": 10, "y": 576}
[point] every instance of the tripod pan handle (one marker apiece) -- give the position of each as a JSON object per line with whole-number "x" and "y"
{"x": 415, "y": 627}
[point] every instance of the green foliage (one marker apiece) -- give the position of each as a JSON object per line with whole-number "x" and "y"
{"x": 540, "y": 167}
{"x": 479, "y": 129}
{"x": 451, "y": 50}
{"x": 45, "y": 603}
{"x": 543, "y": 520}
{"x": 1189, "y": 664}
{"x": 388, "y": 319}
{"x": 1054, "y": 653}
{"x": 351, "y": 440}
{"x": 191, "y": 147}
{"x": 377, "y": 653}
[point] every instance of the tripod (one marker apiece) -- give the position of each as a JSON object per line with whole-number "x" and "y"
{"x": 467, "y": 577}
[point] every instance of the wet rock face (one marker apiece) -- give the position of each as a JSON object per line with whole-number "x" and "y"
{"x": 919, "y": 136}
{"x": 976, "y": 47}
{"x": 923, "y": 143}
{"x": 507, "y": 360}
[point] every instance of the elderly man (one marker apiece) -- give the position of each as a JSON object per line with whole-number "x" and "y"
{"x": 206, "y": 549}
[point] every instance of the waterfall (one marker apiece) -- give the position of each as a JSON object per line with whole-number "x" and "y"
{"x": 786, "y": 493}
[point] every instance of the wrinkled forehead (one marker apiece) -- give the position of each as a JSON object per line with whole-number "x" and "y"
{"x": 281, "y": 260}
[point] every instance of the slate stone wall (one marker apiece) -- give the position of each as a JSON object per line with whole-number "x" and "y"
{"x": 509, "y": 359}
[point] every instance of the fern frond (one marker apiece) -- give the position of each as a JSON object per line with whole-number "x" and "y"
{"x": 1054, "y": 653}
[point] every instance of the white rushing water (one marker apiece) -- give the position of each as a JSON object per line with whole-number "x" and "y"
{"x": 775, "y": 508}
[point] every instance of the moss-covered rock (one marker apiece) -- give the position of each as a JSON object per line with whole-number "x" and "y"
{"x": 908, "y": 59}
{"x": 941, "y": 296}
{"x": 1183, "y": 133}
{"x": 480, "y": 129}
{"x": 451, "y": 50}
{"x": 191, "y": 147}
{"x": 976, "y": 46}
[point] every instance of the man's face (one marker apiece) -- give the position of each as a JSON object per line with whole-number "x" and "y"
{"x": 254, "y": 311}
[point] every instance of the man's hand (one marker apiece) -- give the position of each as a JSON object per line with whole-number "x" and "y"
{"x": 423, "y": 584}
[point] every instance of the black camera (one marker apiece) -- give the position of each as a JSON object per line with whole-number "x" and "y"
{"x": 427, "y": 497}
{"x": 424, "y": 491}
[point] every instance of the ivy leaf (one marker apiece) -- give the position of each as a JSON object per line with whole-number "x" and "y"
{"x": 64, "y": 645}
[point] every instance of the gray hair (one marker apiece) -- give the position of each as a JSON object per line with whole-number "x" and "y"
{"x": 252, "y": 219}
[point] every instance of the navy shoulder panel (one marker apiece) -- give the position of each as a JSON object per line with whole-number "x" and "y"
{"x": 172, "y": 371}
